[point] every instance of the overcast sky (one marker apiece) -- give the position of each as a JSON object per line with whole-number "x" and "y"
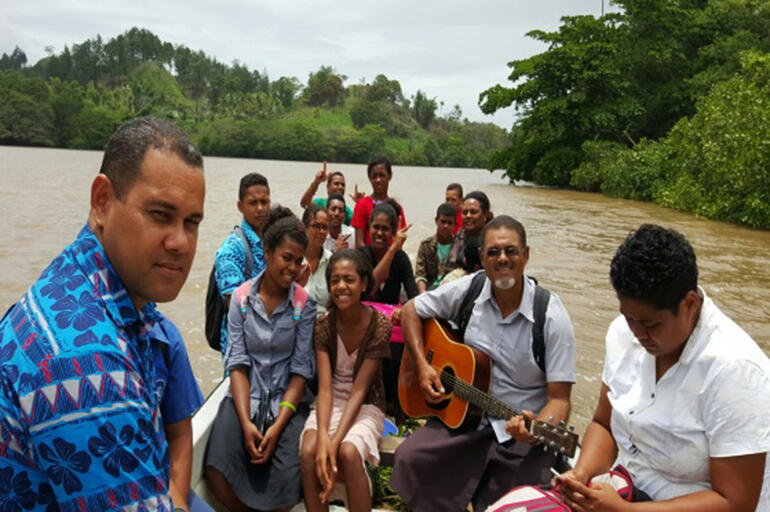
{"x": 451, "y": 49}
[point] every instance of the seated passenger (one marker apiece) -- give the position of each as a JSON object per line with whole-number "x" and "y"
{"x": 379, "y": 173}
{"x": 343, "y": 428}
{"x": 252, "y": 458}
{"x": 340, "y": 236}
{"x": 231, "y": 259}
{"x": 335, "y": 184}
{"x": 392, "y": 270}
{"x": 454, "y": 196}
{"x": 685, "y": 392}
{"x": 313, "y": 276}
{"x": 437, "y": 468}
{"x": 434, "y": 250}
{"x": 476, "y": 213}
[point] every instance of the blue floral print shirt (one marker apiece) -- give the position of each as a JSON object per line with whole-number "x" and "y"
{"x": 80, "y": 427}
{"x": 230, "y": 266}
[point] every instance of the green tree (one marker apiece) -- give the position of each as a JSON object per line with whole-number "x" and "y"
{"x": 423, "y": 109}
{"x": 286, "y": 90}
{"x": 325, "y": 87}
{"x": 17, "y": 60}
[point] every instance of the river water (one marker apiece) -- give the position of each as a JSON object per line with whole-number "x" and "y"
{"x": 572, "y": 235}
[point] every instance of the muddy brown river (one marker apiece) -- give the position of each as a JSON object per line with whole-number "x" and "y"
{"x": 572, "y": 235}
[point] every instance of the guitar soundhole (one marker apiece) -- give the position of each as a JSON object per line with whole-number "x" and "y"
{"x": 447, "y": 379}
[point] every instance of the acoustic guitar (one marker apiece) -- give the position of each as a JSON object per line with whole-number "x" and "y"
{"x": 466, "y": 374}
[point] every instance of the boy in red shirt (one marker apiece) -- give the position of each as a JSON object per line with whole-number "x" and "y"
{"x": 379, "y": 173}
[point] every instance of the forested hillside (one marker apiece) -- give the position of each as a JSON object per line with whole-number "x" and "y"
{"x": 665, "y": 101}
{"x": 75, "y": 98}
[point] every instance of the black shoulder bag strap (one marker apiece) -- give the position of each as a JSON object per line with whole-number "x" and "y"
{"x": 466, "y": 306}
{"x": 542, "y": 296}
{"x": 249, "y": 256}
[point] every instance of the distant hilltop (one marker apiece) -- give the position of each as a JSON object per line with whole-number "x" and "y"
{"x": 76, "y": 98}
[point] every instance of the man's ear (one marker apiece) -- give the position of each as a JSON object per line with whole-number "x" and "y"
{"x": 102, "y": 195}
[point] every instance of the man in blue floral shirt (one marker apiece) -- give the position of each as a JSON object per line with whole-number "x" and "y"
{"x": 230, "y": 260}
{"x": 80, "y": 427}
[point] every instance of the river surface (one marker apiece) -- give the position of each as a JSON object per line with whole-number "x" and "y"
{"x": 572, "y": 235}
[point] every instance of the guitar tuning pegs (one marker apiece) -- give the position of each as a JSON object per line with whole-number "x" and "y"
{"x": 552, "y": 444}
{"x": 572, "y": 428}
{"x": 550, "y": 419}
{"x": 562, "y": 424}
{"x": 562, "y": 450}
{"x": 545, "y": 447}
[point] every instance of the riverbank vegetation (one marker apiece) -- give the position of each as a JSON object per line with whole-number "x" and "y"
{"x": 663, "y": 101}
{"x": 77, "y": 97}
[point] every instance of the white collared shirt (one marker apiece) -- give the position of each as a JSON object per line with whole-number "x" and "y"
{"x": 714, "y": 402}
{"x": 346, "y": 230}
{"x": 316, "y": 282}
{"x": 517, "y": 380}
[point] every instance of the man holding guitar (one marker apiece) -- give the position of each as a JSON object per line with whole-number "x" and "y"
{"x": 437, "y": 468}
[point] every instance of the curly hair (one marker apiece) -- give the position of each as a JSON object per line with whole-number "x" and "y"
{"x": 363, "y": 269}
{"x": 281, "y": 223}
{"x": 656, "y": 266}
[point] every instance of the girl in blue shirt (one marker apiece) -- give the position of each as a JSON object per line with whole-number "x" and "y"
{"x": 252, "y": 461}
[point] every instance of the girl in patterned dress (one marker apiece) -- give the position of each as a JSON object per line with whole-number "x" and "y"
{"x": 341, "y": 433}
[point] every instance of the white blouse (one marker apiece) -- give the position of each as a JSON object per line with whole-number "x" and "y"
{"x": 714, "y": 402}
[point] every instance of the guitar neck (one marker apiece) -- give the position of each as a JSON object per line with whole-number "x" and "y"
{"x": 486, "y": 402}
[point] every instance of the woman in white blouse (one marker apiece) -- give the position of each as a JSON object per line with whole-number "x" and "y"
{"x": 313, "y": 276}
{"x": 685, "y": 398}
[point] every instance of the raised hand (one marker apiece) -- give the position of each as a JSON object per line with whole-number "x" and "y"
{"x": 356, "y": 196}
{"x": 341, "y": 242}
{"x": 321, "y": 175}
{"x": 400, "y": 238}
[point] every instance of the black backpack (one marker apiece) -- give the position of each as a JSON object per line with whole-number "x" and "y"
{"x": 216, "y": 309}
{"x": 541, "y": 304}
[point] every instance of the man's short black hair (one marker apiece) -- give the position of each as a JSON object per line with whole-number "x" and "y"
{"x": 446, "y": 209}
{"x": 456, "y": 187}
{"x": 655, "y": 265}
{"x": 332, "y": 175}
{"x": 126, "y": 148}
{"x": 504, "y": 221}
{"x": 250, "y": 180}
{"x": 379, "y": 161}
{"x": 481, "y": 197}
{"x": 335, "y": 197}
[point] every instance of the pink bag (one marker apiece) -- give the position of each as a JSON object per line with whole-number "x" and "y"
{"x": 387, "y": 310}
{"x": 532, "y": 498}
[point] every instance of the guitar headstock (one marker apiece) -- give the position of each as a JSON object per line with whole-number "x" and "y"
{"x": 558, "y": 438}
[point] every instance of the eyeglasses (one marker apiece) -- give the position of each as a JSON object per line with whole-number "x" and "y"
{"x": 510, "y": 251}
{"x": 319, "y": 226}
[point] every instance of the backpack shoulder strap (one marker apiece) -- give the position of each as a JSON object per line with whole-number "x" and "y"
{"x": 300, "y": 299}
{"x": 542, "y": 296}
{"x": 466, "y": 306}
{"x": 249, "y": 256}
{"x": 242, "y": 296}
